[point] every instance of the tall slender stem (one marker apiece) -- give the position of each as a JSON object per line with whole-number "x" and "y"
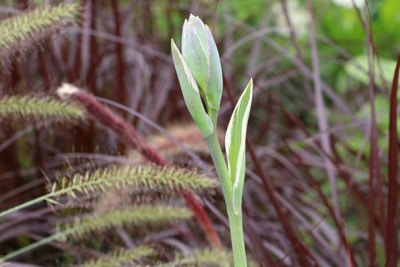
{"x": 25, "y": 204}
{"x": 235, "y": 220}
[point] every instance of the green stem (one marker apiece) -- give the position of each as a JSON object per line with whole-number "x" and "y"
{"x": 24, "y": 205}
{"x": 34, "y": 245}
{"x": 235, "y": 221}
{"x": 237, "y": 237}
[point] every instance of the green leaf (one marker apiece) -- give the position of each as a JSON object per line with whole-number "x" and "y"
{"x": 389, "y": 16}
{"x": 235, "y": 143}
{"x": 357, "y": 68}
{"x": 191, "y": 93}
{"x": 215, "y": 83}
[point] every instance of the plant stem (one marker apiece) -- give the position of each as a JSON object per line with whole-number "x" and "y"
{"x": 32, "y": 246}
{"x": 237, "y": 237}
{"x": 235, "y": 220}
{"x": 24, "y": 205}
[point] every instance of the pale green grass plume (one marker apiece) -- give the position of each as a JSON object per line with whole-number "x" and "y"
{"x": 102, "y": 180}
{"x": 120, "y": 257}
{"x": 133, "y": 215}
{"x": 39, "y": 108}
{"x": 22, "y": 32}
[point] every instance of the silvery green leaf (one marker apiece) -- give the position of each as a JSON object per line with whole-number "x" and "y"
{"x": 191, "y": 93}
{"x": 235, "y": 143}
{"x": 215, "y": 85}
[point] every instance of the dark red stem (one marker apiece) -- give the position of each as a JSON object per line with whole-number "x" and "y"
{"x": 392, "y": 253}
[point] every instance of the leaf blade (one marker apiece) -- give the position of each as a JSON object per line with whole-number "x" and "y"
{"x": 191, "y": 93}
{"x": 235, "y": 143}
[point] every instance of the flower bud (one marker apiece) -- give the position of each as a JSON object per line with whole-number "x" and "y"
{"x": 201, "y": 55}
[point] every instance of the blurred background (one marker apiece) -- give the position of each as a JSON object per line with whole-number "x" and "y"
{"x": 318, "y": 68}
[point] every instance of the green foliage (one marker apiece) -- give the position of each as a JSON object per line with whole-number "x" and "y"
{"x": 248, "y": 11}
{"x": 357, "y": 68}
{"x": 385, "y": 28}
{"x": 351, "y": 29}
{"x": 381, "y": 103}
{"x": 350, "y": 33}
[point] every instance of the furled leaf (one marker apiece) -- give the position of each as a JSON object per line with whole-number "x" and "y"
{"x": 235, "y": 143}
{"x": 191, "y": 93}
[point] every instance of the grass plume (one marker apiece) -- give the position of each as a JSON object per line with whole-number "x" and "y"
{"x": 120, "y": 257}
{"x": 22, "y": 32}
{"x": 132, "y": 138}
{"x": 133, "y": 215}
{"x": 101, "y": 180}
{"x": 38, "y": 107}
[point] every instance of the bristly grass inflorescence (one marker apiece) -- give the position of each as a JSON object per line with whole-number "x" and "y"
{"x": 21, "y": 33}
{"x": 132, "y": 139}
{"x": 39, "y": 107}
